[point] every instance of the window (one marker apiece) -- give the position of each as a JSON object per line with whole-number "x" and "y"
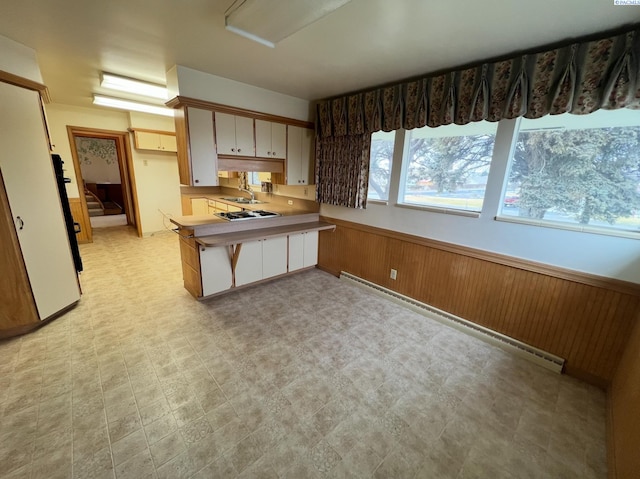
{"x": 448, "y": 166}
{"x": 579, "y": 170}
{"x": 380, "y": 163}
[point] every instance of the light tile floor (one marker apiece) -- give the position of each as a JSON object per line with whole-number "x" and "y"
{"x": 303, "y": 377}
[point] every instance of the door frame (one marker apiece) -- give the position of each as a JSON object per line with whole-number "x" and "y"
{"x": 127, "y": 175}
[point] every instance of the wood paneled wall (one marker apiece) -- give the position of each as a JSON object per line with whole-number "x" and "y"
{"x": 585, "y": 319}
{"x": 624, "y": 412}
{"x": 82, "y": 219}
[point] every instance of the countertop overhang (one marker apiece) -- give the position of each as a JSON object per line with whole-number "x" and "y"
{"x": 236, "y": 237}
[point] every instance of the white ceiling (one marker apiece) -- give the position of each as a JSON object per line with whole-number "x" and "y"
{"x": 362, "y": 44}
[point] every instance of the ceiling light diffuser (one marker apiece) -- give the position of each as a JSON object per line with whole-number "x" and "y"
{"x": 131, "y": 105}
{"x": 268, "y": 22}
{"x": 131, "y": 85}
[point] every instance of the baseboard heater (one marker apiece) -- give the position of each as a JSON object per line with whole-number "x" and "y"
{"x": 531, "y": 353}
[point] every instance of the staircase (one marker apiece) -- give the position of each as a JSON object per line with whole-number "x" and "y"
{"x": 94, "y": 205}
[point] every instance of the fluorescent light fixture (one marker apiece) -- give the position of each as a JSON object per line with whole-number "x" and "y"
{"x": 268, "y": 22}
{"x": 131, "y": 105}
{"x": 131, "y": 85}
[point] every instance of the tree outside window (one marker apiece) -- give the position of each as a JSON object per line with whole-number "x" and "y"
{"x": 448, "y": 166}
{"x": 573, "y": 173}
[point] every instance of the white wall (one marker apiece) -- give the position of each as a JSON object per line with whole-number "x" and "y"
{"x": 156, "y": 173}
{"x": 204, "y": 86}
{"x": 608, "y": 256}
{"x": 19, "y": 59}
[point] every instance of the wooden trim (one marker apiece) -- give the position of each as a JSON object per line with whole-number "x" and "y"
{"x": 85, "y": 220}
{"x": 249, "y": 163}
{"x": 624, "y": 287}
{"x": 125, "y": 162}
{"x": 159, "y": 132}
{"x": 18, "y": 309}
{"x": 23, "y": 82}
{"x": 79, "y": 217}
{"x": 234, "y": 262}
{"x": 180, "y": 101}
{"x": 19, "y": 330}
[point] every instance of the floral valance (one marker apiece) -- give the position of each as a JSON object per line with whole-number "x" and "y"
{"x": 579, "y": 78}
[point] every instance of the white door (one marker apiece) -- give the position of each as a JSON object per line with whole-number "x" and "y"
{"x": 245, "y": 142}
{"x": 307, "y": 155}
{"x": 249, "y": 266}
{"x": 204, "y": 161}
{"x": 226, "y": 134}
{"x": 215, "y": 268}
{"x": 294, "y": 150}
{"x": 278, "y": 140}
{"x": 35, "y": 202}
{"x": 274, "y": 256}
{"x": 263, "y": 139}
{"x": 310, "y": 248}
{"x": 296, "y": 251}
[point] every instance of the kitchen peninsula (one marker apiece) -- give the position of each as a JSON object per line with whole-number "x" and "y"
{"x": 220, "y": 255}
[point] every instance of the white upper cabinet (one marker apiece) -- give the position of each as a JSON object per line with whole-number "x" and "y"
{"x": 271, "y": 139}
{"x": 299, "y": 169}
{"x": 204, "y": 161}
{"x": 234, "y": 135}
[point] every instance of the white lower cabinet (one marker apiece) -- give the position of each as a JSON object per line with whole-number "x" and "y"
{"x": 274, "y": 257}
{"x": 249, "y": 266}
{"x": 303, "y": 250}
{"x": 261, "y": 259}
{"x": 215, "y": 269}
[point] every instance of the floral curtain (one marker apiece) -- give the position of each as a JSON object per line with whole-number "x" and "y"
{"x": 578, "y": 78}
{"x": 342, "y": 170}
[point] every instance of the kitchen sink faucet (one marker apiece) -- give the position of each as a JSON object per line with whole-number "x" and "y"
{"x": 248, "y": 190}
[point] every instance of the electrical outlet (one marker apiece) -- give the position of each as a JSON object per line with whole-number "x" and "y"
{"x": 145, "y": 162}
{"x": 306, "y": 191}
{"x": 290, "y": 202}
{"x": 394, "y": 274}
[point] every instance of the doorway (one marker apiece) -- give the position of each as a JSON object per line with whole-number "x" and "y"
{"x": 106, "y": 183}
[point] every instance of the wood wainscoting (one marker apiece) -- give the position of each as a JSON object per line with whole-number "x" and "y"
{"x": 583, "y": 318}
{"x": 82, "y": 218}
{"x": 624, "y": 412}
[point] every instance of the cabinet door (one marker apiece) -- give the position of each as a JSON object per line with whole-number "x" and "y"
{"x": 310, "y": 248}
{"x": 199, "y": 206}
{"x": 278, "y": 140}
{"x": 245, "y": 144}
{"x": 249, "y": 266}
{"x": 296, "y": 251}
{"x": 146, "y": 140}
{"x": 307, "y": 155}
{"x": 168, "y": 143}
{"x": 274, "y": 256}
{"x": 204, "y": 161}
{"x": 225, "y": 134}
{"x": 294, "y": 152}
{"x": 30, "y": 184}
{"x": 215, "y": 268}
{"x": 263, "y": 139}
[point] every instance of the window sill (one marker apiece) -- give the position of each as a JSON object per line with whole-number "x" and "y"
{"x": 437, "y": 209}
{"x": 377, "y": 202}
{"x": 570, "y": 227}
